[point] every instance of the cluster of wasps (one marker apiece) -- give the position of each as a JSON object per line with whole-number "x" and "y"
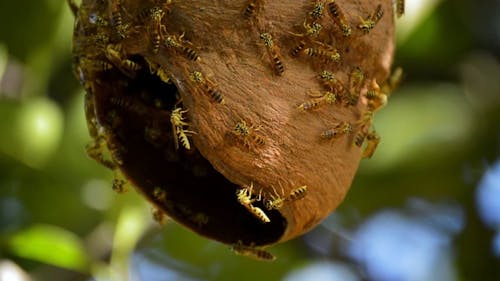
{"x": 105, "y": 50}
{"x": 335, "y": 91}
{"x": 273, "y": 201}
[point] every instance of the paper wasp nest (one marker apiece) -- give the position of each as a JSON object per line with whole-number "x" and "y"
{"x": 242, "y": 120}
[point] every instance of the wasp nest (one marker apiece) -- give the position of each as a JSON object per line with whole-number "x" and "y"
{"x": 242, "y": 120}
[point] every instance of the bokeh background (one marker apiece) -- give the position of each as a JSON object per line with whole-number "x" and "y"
{"x": 425, "y": 207}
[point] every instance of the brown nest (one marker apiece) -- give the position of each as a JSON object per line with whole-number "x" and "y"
{"x": 243, "y": 120}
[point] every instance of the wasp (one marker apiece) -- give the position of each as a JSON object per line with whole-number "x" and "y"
{"x": 369, "y": 23}
{"x": 155, "y": 28}
{"x": 376, "y": 98}
{"x": 317, "y": 11}
{"x": 159, "y": 71}
{"x": 393, "y": 82}
{"x": 298, "y": 193}
{"x": 335, "y": 132}
{"x": 400, "y": 8}
{"x": 178, "y": 43}
{"x": 159, "y": 216}
{"x": 328, "y": 98}
{"x": 244, "y": 196}
{"x": 95, "y": 65}
{"x": 360, "y": 138}
{"x": 180, "y": 134}
{"x": 156, "y": 16}
{"x": 312, "y": 30}
{"x": 207, "y": 86}
{"x": 298, "y": 48}
{"x": 373, "y": 139}
{"x": 247, "y": 133}
{"x": 338, "y": 17}
{"x": 276, "y": 201}
{"x": 101, "y": 39}
{"x": 200, "y": 219}
{"x": 127, "y": 103}
{"x": 252, "y": 8}
{"x": 115, "y": 149}
{"x": 356, "y": 79}
{"x": 329, "y": 55}
{"x": 96, "y": 150}
{"x": 159, "y": 194}
{"x": 331, "y": 83}
{"x": 119, "y": 183}
{"x": 252, "y": 252}
{"x": 117, "y": 21}
{"x": 126, "y": 66}
{"x": 274, "y": 55}
{"x": 98, "y": 20}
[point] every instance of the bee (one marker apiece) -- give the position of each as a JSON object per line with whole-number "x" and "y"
{"x": 180, "y": 134}
{"x": 400, "y": 8}
{"x": 247, "y": 133}
{"x": 207, "y": 86}
{"x": 298, "y": 193}
{"x": 244, "y": 196}
{"x": 329, "y": 55}
{"x": 356, "y": 79}
{"x": 252, "y": 252}
{"x": 126, "y": 66}
{"x": 338, "y": 17}
{"x": 328, "y": 98}
{"x": 331, "y": 83}
{"x": 335, "y": 132}
{"x": 177, "y": 43}
{"x": 369, "y": 23}
{"x": 160, "y": 195}
{"x": 252, "y": 8}
{"x": 274, "y": 55}
{"x": 373, "y": 139}
{"x": 317, "y": 11}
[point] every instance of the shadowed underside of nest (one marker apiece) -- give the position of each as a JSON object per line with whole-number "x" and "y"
{"x": 243, "y": 120}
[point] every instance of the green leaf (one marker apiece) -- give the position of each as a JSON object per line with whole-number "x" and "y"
{"x": 51, "y": 245}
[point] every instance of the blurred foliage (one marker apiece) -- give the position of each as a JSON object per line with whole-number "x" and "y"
{"x": 59, "y": 219}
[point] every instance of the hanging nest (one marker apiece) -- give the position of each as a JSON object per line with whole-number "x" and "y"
{"x": 245, "y": 121}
